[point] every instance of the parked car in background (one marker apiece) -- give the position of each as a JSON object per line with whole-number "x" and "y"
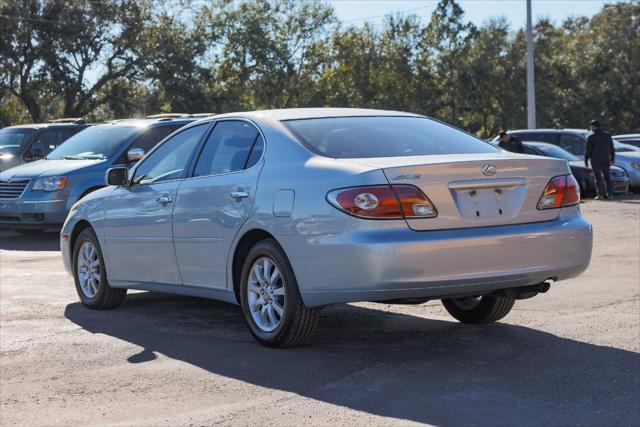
{"x": 630, "y": 138}
{"x": 622, "y": 147}
{"x": 584, "y": 175}
{"x": 284, "y": 211}
{"x": 38, "y": 195}
{"x": 572, "y": 140}
{"x": 630, "y": 162}
{"x": 27, "y": 143}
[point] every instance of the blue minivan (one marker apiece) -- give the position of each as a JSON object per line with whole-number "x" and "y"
{"x": 37, "y": 196}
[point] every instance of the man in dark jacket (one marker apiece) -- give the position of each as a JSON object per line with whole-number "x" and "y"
{"x": 510, "y": 143}
{"x": 602, "y": 155}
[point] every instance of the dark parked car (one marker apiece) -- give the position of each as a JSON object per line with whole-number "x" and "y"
{"x": 38, "y": 195}
{"x": 572, "y": 140}
{"x": 27, "y": 143}
{"x": 583, "y": 174}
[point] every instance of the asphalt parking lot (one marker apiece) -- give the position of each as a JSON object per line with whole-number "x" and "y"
{"x": 570, "y": 356}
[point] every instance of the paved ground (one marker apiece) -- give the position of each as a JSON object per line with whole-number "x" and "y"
{"x": 570, "y": 356}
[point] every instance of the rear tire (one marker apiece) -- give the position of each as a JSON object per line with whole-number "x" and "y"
{"x": 482, "y": 309}
{"x": 270, "y": 298}
{"x": 89, "y": 274}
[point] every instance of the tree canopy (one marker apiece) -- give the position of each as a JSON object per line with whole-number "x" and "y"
{"x": 122, "y": 58}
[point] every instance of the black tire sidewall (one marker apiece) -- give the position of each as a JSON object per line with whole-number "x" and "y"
{"x": 292, "y": 300}
{"x": 482, "y": 313}
{"x": 88, "y": 235}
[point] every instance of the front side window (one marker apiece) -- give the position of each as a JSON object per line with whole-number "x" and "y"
{"x": 69, "y": 132}
{"x": 379, "y": 136}
{"x": 96, "y": 142}
{"x": 12, "y": 140}
{"x": 170, "y": 159}
{"x": 233, "y": 145}
{"x": 47, "y": 141}
{"x": 149, "y": 139}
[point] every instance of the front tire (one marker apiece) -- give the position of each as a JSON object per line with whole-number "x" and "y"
{"x": 90, "y": 275}
{"x": 270, "y": 298}
{"x": 481, "y": 309}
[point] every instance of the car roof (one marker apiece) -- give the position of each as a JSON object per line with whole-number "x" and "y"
{"x": 46, "y": 125}
{"x": 142, "y": 123}
{"x": 315, "y": 113}
{"x": 550, "y": 130}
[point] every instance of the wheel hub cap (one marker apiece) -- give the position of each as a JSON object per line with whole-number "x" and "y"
{"x": 88, "y": 265}
{"x": 265, "y": 294}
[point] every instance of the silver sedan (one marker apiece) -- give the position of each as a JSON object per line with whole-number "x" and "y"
{"x": 285, "y": 211}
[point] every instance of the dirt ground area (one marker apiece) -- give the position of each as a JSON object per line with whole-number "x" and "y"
{"x": 570, "y": 356}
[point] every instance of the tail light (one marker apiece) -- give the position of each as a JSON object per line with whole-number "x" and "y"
{"x": 560, "y": 191}
{"x": 383, "y": 202}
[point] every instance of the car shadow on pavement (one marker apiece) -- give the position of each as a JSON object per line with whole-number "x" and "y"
{"x": 632, "y": 198}
{"x": 390, "y": 364}
{"x": 40, "y": 241}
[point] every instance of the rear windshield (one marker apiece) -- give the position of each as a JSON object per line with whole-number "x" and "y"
{"x": 357, "y": 137}
{"x": 97, "y": 142}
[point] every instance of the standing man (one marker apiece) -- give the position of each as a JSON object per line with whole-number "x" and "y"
{"x": 602, "y": 154}
{"x": 510, "y": 142}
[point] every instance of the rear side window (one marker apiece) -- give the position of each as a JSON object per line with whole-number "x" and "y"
{"x": 233, "y": 145}
{"x": 357, "y": 137}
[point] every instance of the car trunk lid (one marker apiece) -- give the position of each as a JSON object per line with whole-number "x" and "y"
{"x": 476, "y": 190}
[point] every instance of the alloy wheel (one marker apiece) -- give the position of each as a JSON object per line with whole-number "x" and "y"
{"x": 266, "y": 294}
{"x": 88, "y": 268}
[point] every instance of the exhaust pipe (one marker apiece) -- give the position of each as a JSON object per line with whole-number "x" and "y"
{"x": 525, "y": 292}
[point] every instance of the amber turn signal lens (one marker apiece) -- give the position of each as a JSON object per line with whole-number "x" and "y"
{"x": 383, "y": 202}
{"x": 560, "y": 191}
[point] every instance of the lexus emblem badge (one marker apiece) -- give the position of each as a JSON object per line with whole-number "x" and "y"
{"x": 488, "y": 169}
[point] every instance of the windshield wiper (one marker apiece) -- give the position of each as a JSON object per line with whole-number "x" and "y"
{"x": 73, "y": 158}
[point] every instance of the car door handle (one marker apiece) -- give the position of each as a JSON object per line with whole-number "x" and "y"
{"x": 239, "y": 195}
{"x": 164, "y": 200}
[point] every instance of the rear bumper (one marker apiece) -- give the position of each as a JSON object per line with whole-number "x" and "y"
{"x": 400, "y": 263}
{"x": 32, "y": 214}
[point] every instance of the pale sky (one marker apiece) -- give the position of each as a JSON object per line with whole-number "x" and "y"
{"x": 355, "y": 12}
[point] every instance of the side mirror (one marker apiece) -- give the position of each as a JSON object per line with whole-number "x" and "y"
{"x": 28, "y": 156}
{"x": 134, "y": 155}
{"x": 117, "y": 176}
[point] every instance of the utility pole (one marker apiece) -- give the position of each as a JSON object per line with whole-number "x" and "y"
{"x": 531, "y": 91}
